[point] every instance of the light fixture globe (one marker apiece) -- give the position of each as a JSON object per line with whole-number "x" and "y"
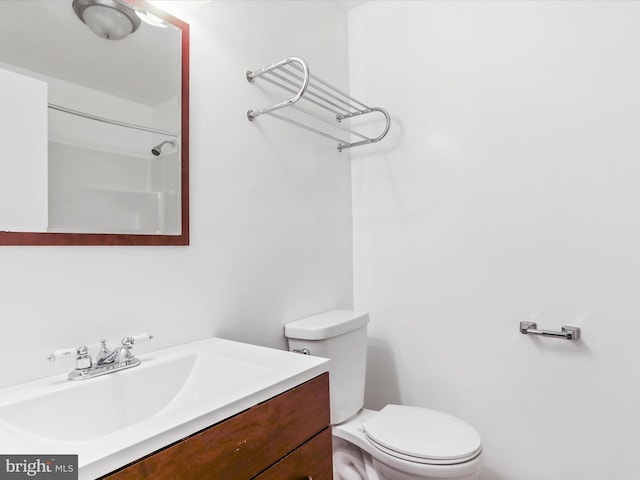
{"x": 110, "y": 19}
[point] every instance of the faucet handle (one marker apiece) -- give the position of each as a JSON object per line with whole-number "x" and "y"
{"x": 61, "y": 353}
{"x": 125, "y": 352}
{"x": 130, "y": 341}
{"x": 64, "y": 353}
{"x": 83, "y": 359}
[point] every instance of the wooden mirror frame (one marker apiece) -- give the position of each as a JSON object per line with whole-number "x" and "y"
{"x": 46, "y": 238}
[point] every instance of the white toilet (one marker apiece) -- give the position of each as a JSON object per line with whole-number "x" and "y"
{"x": 396, "y": 443}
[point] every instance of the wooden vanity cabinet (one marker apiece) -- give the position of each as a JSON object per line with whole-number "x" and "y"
{"x": 285, "y": 438}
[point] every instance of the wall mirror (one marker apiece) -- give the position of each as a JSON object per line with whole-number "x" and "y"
{"x": 94, "y": 129}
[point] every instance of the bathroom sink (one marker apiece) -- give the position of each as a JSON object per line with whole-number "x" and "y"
{"x": 114, "y": 419}
{"x": 109, "y": 403}
{"x": 102, "y": 405}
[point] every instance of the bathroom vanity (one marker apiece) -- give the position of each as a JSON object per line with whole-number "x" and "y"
{"x": 286, "y": 437}
{"x": 214, "y": 409}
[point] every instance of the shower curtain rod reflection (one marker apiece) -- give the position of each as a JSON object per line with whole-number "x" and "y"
{"x": 78, "y": 113}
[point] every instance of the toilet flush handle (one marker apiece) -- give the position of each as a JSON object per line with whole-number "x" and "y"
{"x": 303, "y": 351}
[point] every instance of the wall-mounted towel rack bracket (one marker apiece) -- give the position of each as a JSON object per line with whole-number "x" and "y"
{"x": 292, "y": 74}
{"x": 567, "y": 332}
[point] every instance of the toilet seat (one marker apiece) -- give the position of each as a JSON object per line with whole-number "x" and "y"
{"x": 352, "y": 432}
{"x": 422, "y": 435}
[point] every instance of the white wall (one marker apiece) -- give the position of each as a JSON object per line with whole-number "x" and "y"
{"x": 270, "y": 213}
{"x": 508, "y": 190}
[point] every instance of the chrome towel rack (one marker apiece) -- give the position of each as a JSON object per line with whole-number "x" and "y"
{"x": 292, "y": 74}
{"x": 567, "y": 332}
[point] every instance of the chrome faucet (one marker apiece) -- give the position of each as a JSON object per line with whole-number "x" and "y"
{"x": 107, "y": 361}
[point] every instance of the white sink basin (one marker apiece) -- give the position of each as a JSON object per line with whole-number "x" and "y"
{"x": 117, "y": 418}
{"x": 103, "y": 405}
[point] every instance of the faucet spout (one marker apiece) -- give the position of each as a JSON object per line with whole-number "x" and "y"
{"x": 105, "y": 356}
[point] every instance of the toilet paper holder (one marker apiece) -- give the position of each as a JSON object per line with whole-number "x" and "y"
{"x": 567, "y": 332}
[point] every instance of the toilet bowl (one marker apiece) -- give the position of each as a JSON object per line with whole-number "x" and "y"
{"x": 434, "y": 446}
{"x": 398, "y": 442}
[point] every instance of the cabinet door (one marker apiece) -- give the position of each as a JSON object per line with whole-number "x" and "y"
{"x": 312, "y": 461}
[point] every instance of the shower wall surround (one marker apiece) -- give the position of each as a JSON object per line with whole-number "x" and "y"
{"x": 507, "y": 190}
{"x": 23, "y": 184}
{"x": 271, "y": 230}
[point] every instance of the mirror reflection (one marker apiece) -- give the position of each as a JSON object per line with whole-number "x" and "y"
{"x": 91, "y": 119}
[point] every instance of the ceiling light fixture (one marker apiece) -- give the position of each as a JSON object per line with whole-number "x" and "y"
{"x": 110, "y": 19}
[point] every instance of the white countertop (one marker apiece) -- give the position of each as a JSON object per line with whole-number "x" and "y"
{"x": 263, "y": 373}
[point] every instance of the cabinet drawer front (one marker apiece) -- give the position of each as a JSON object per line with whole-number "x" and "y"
{"x": 311, "y": 461}
{"x": 242, "y": 446}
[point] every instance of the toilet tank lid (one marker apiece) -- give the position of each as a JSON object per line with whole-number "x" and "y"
{"x": 326, "y": 325}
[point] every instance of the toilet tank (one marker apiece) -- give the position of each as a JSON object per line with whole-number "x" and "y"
{"x": 341, "y": 336}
